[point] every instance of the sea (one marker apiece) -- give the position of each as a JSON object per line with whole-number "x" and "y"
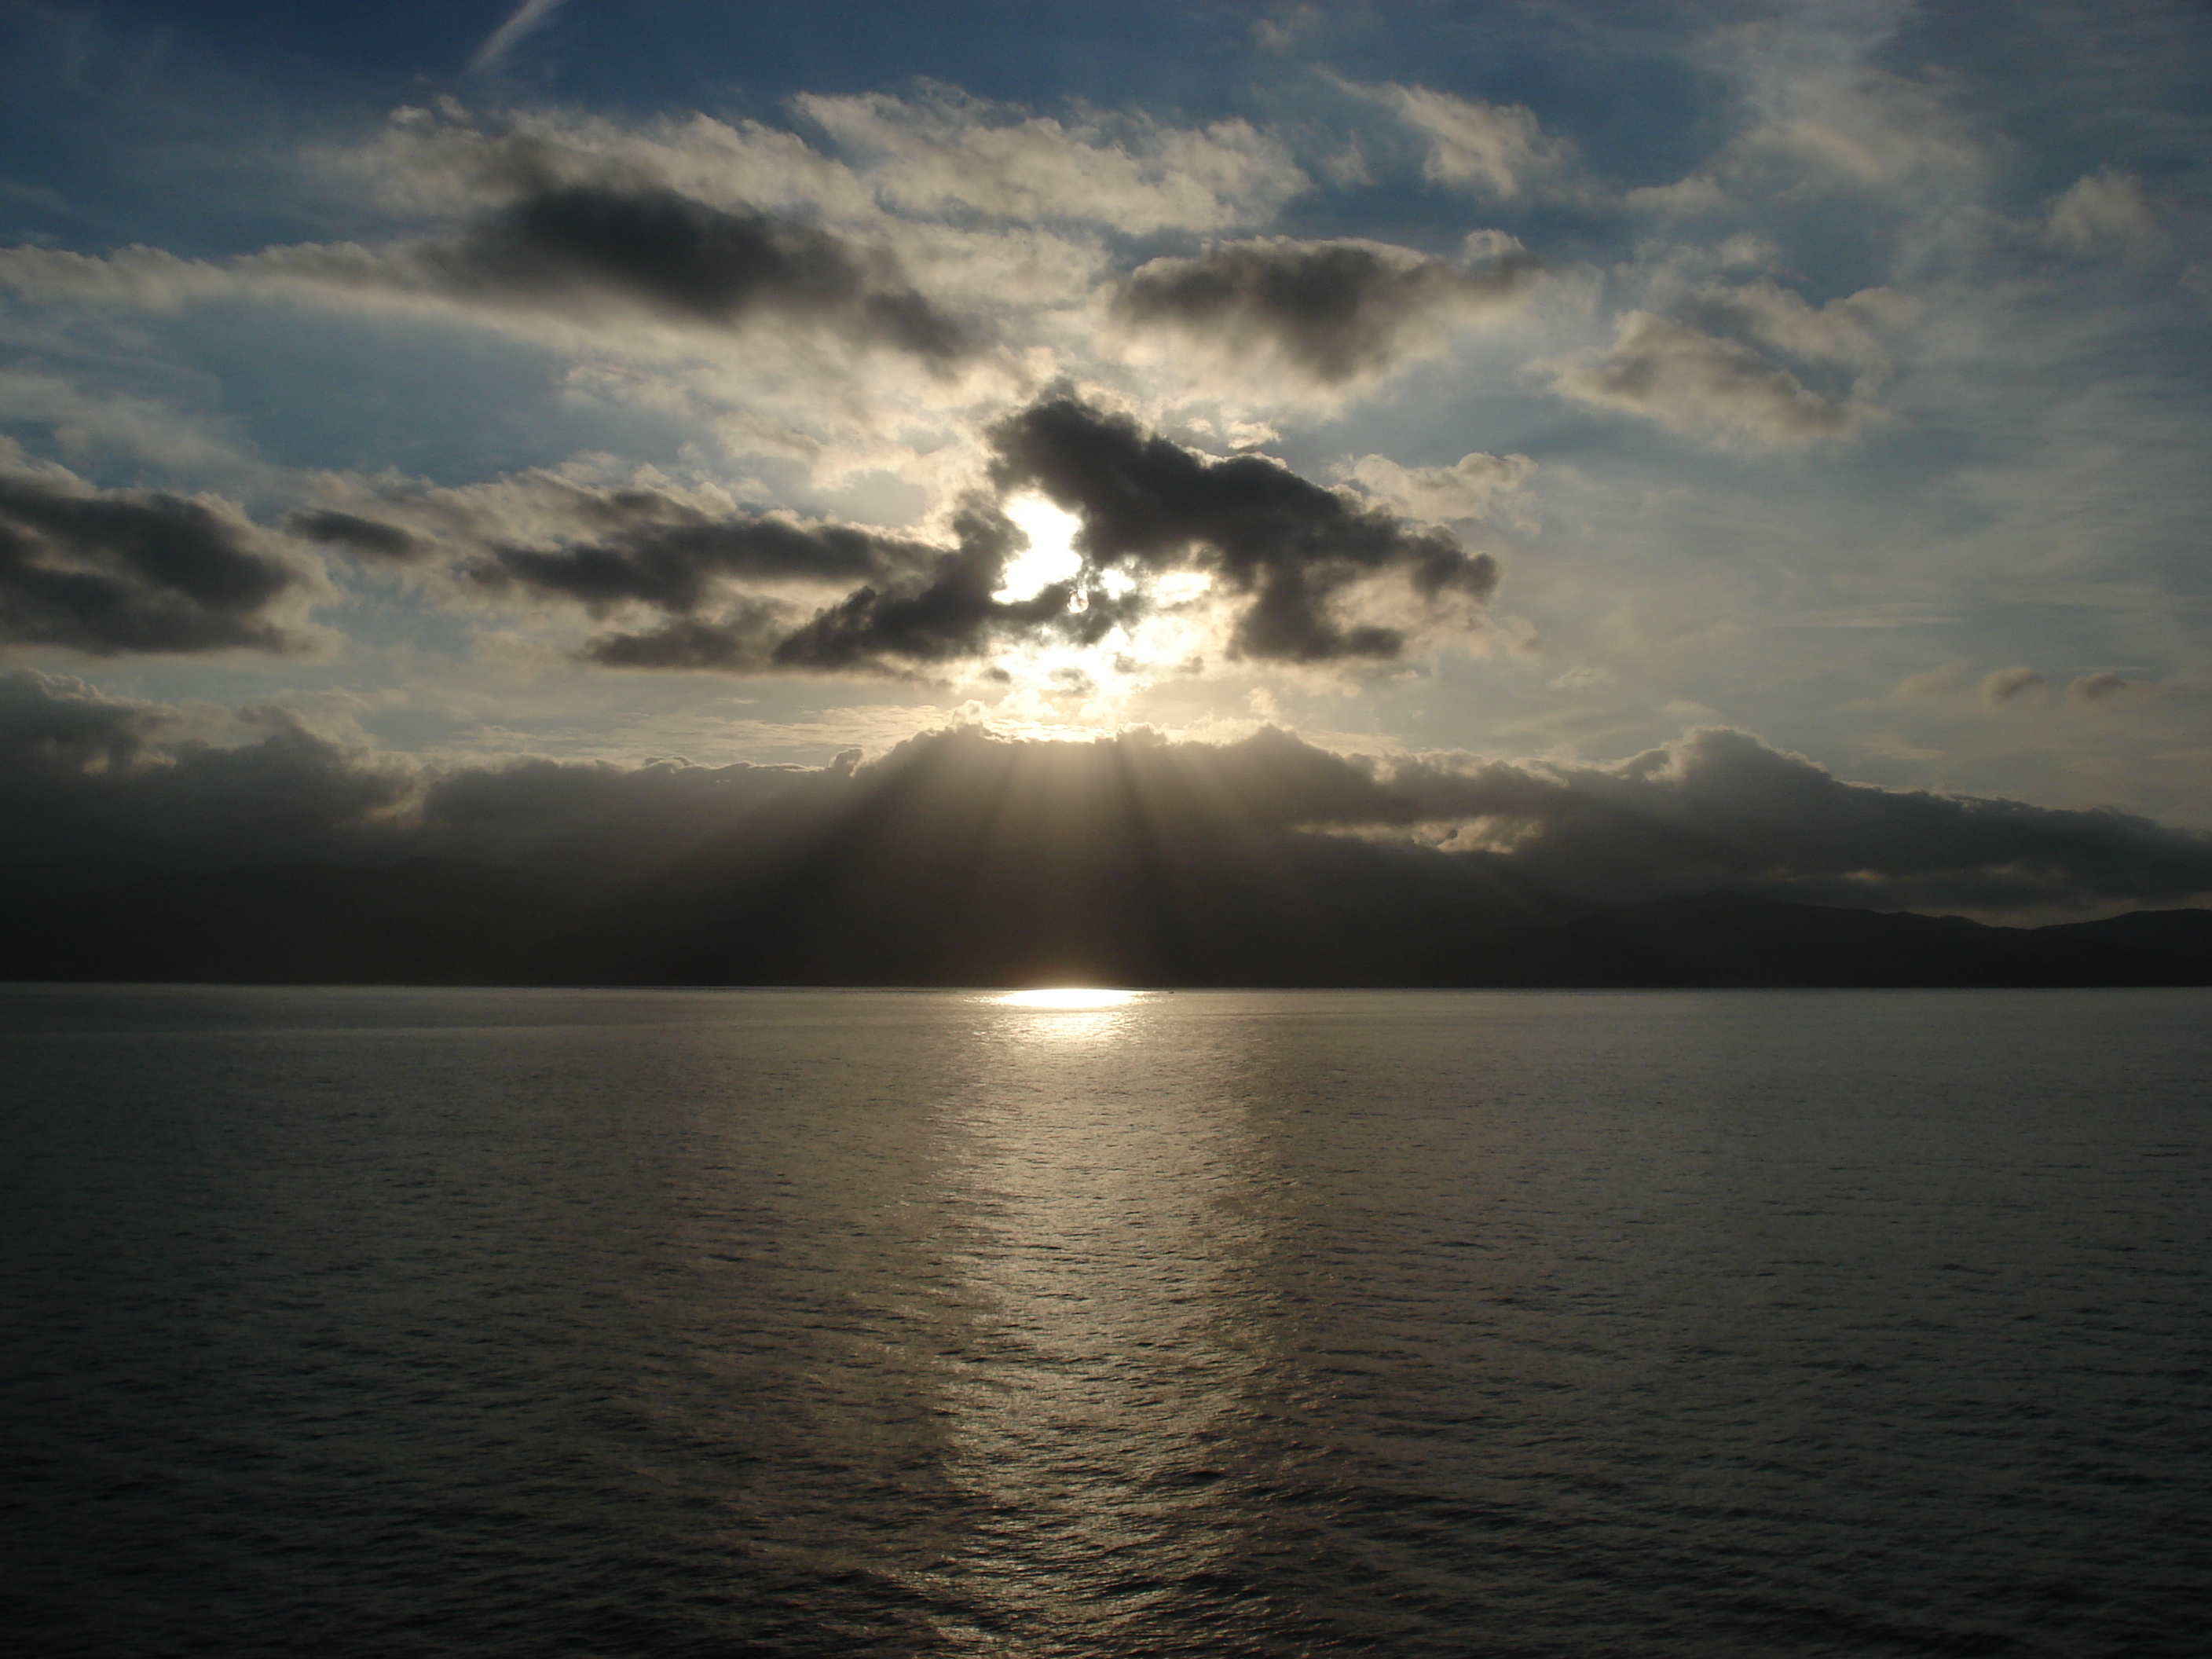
{"x": 781, "y": 1322}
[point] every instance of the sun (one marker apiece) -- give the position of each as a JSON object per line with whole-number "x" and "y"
{"x": 1051, "y": 557}
{"x": 1049, "y": 687}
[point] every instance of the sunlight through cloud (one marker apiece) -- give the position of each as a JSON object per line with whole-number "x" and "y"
{"x": 1052, "y": 556}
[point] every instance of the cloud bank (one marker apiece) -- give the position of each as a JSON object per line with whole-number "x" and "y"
{"x": 104, "y": 784}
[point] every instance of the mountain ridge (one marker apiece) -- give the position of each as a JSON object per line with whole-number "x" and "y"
{"x": 449, "y": 921}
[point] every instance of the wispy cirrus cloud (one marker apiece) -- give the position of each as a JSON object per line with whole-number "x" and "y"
{"x": 529, "y": 17}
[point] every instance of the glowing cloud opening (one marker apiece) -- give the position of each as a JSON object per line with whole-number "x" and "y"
{"x": 1052, "y": 556}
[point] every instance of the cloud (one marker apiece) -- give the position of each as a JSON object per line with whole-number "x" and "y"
{"x": 1719, "y": 808}
{"x": 943, "y": 609}
{"x": 732, "y": 584}
{"x": 1474, "y": 486}
{"x": 596, "y": 255}
{"x": 972, "y": 820}
{"x": 1493, "y": 150}
{"x": 529, "y": 17}
{"x": 143, "y": 277}
{"x": 1283, "y": 33}
{"x": 690, "y": 262}
{"x": 664, "y": 552}
{"x": 446, "y": 162}
{"x": 370, "y": 538}
{"x": 2094, "y": 687}
{"x": 1828, "y": 122}
{"x": 857, "y": 304}
{"x": 1331, "y": 312}
{"x": 1932, "y": 682}
{"x": 111, "y": 423}
{"x": 2004, "y": 685}
{"x": 1699, "y": 385}
{"x": 1583, "y": 677}
{"x": 1696, "y": 194}
{"x": 107, "y": 571}
{"x": 1841, "y": 333}
{"x": 2109, "y": 210}
{"x": 945, "y": 152}
{"x": 1289, "y": 555}
{"x": 941, "y": 159}
{"x": 1295, "y": 571}
{"x": 120, "y": 784}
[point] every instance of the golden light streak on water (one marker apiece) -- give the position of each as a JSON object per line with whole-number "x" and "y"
{"x": 1070, "y": 997}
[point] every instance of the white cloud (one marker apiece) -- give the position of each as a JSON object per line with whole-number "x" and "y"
{"x": 1474, "y": 487}
{"x": 1825, "y": 120}
{"x": 1697, "y": 193}
{"x": 1703, "y": 386}
{"x": 1493, "y": 150}
{"x": 1841, "y": 332}
{"x": 1281, "y": 34}
{"x": 143, "y": 278}
{"x": 446, "y": 161}
{"x": 529, "y": 17}
{"x": 1583, "y": 676}
{"x": 155, "y": 433}
{"x": 2107, "y": 211}
{"x": 946, "y": 152}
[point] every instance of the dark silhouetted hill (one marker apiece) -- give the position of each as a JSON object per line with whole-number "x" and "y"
{"x": 1309, "y": 911}
{"x": 426, "y": 921}
{"x": 1728, "y": 939}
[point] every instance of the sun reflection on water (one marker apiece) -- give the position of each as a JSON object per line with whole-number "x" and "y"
{"x": 1074, "y": 998}
{"x": 1091, "y": 1405}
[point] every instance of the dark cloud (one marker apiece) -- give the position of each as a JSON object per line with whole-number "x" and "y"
{"x": 936, "y": 606}
{"x": 1717, "y": 810}
{"x": 1334, "y": 311}
{"x": 1000, "y": 829}
{"x": 1305, "y": 574}
{"x": 740, "y": 641}
{"x": 369, "y": 537}
{"x": 107, "y": 571}
{"x": 672, "y": 556}
{"x": 1722, "y": 809}
{"x": 1286, "y": 548}
{"x": 943, "y": 614}
{"x": 2003, "y": 685}
{"x": 918, "y": 603}
{"x": 687, "y": 260}
{"x": 2092, "y": 688}
{"x": 92, "y": 781}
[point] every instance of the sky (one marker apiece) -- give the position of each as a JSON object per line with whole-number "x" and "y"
{"x": 1642, "y": 446}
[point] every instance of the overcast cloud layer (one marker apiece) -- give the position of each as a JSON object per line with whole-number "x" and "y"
{"x": 1668, "y": 448}
{"x": 91, "y": 778}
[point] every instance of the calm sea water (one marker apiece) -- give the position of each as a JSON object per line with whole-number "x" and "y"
{"x": 407, "y": 1322}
